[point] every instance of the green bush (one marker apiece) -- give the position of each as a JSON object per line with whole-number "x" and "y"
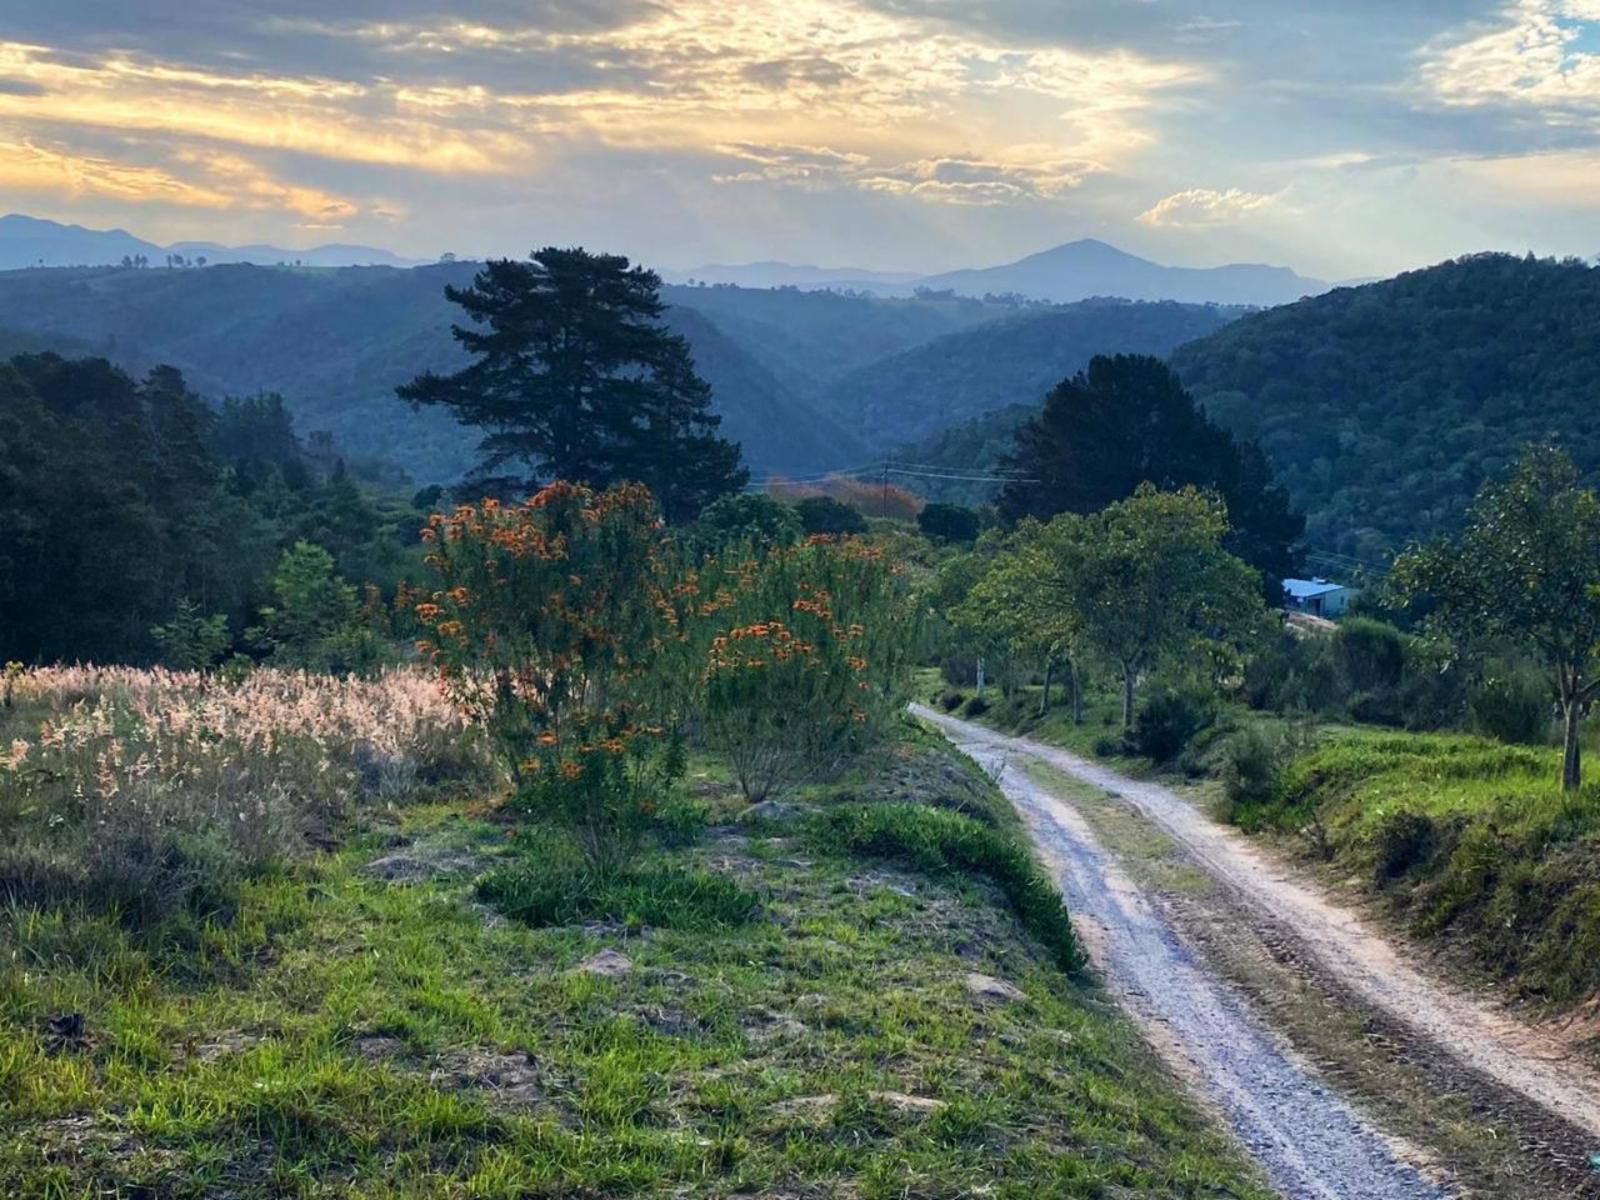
{"x": 544, "y": 891}
{"x": 1404, "y": 841}
{"x": 825, "y": 516}
{"x": 975, "y": 707}
{"x": 950, "y": 699}
{"x": 1513, "y": 706}
{"x": 1370, "y": 655}
{"x": 1168, "y": 719}
{"x": 935, "y": 841}
{"x": 950, "y": 522}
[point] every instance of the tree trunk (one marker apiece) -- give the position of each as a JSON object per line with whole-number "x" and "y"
{"x": 1077, "y": 692}
{"x": 1130, "y": 678}
{"x": 1572, "y": 759}
{"x": 1049, "y": 676}
{"x": 980, "y": 679}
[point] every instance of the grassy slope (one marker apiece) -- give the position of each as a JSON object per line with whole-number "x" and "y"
{"x": 346, "y": 1035}
{"x": 1467, "y": 841}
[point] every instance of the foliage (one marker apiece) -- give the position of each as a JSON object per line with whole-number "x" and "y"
{"x": 313, "y": 626}
{"x": 808, "y": 657}
{"x": 1369, "y": 655}
{"x": 121, "y": 499}
{"x": 574, "y": 377}
{"x": 950, "y": 523}
{"x": 545, "y": 625}
{"x": 1127, "y": 421}
{"x": 939, "y": 385}
{"x": 1147, "y": 579}
{"x": 191, "y": 641}
{"x": 1384, "y": 408}
{"x": 1513, "y": 704}
{"x": 1469, "y": 839}
{"x": 933, "y": 840}
{"x": 823, "y": 516}
{"x": 542, "y": 892}
{"x": 750, "y": 517}
{"x": 1169, "y": 719}
{"x": 1526, "y": 572}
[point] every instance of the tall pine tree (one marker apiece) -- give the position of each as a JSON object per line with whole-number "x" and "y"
{"x": 576, "y": 378}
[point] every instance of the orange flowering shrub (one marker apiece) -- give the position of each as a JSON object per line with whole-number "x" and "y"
{"x": 545, "y": 627}
{"x": 808, "y": 652}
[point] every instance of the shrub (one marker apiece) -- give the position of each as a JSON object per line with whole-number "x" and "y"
{"x": 807, "y": 660}
{"x": 1370, "y": 655}
{"x": 1108, "y": 746}
{"x": 1513, "y": 706}
{"x": 550, "y": 619}
{"x": 1403, "y": 841}
{"x": 750, "y": 517}
{"x": 823, "y": 516}
{"x": 949, "y": 523}
{"x": 545, "y": 893}
{"x": 975, "y": 707}
{"x": 936, "y": 841}
{"x": 1251, "y": 764}
{"x": 950, "y": 699}
{"x": 1168, "y": 719}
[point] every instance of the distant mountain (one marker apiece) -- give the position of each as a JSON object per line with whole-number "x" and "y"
{"x": 333, "y": 255}
{"x": 1384, "y": 407}
{"x": 1085, "y": 269}
{"x": 953, "y": 379}
{"x": 781, "y": 274}
{"x": 32, "y": 242}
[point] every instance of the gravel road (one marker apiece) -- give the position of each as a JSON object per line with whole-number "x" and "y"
{"x": 1310, "y": 1142}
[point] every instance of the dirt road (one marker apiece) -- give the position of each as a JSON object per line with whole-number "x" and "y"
{"x": 1310, "y": 1139}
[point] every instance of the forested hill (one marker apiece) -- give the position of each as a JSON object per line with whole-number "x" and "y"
{"x": 336, "y": 343}
{"x": 1384, "y": 407}
{"x": 937, "y": 386}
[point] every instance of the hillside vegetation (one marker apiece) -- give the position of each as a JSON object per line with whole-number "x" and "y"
{"x": 953, "y": 379}
{"x": 1384, "y": 407}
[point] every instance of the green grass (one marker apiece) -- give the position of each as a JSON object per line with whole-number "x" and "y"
{"x": 344, "y": 1036}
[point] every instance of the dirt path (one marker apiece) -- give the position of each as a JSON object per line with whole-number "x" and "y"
{"x": 1311, "y": 1142}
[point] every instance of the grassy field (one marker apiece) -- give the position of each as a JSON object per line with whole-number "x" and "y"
{"x": 1467, "y": 841}
{"x": 794, "y": 1013}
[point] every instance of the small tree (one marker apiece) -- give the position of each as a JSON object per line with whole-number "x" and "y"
{"x": 313, "y": 625}
{"x": 950, "y": 523}
{"x": 192, "y": 641}
{"x": 750, "y": 518}
{"x": 1527, "y": 571}
{"x": 823, "y": 516}
{"x": 1147, "y": 579}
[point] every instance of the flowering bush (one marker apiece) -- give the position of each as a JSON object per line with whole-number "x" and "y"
{"x": 137, "y": 789}
{"x": 808, "y": 655}
{"x": 545, "y": 629}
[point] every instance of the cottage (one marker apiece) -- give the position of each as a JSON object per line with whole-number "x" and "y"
{"x": 1319, "y": 597}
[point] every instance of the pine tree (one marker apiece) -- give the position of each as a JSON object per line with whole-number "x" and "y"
{"x": 576, "y": 378}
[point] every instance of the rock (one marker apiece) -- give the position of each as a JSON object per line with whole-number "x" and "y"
{"x": 608, "y": 964}
{"x": 807, "y": 1107}
{"x": 900, "y": 1102}
{"x": 512, "y": 1078}
{"x": 774, "y": 810}
{"x": 225, "y": 1045}
{"x": 420, "y": 866}
{"x": 764, "y": 1025}
{"x": 376, "y": 1048}
{"x": 987, "y": 987}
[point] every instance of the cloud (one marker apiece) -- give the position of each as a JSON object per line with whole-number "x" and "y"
{"x": 1529, "y": 58}
{"x": 1195, "y": 207}
{"x": 969, "y": 181}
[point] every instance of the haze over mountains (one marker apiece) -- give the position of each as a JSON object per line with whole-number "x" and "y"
{"x": 1079, "y": 270}
{"x": 31, "y": 242}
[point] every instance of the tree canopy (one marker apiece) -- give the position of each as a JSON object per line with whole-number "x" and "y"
{"x": 1127, "y": 421}
{"x": 1526, "y": 570}
{"x": 575, "y": 377}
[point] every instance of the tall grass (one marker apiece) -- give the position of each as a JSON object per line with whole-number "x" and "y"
{"x": 146, "y": 792}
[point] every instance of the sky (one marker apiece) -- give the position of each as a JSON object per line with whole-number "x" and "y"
{"x": 1344, "y": 138}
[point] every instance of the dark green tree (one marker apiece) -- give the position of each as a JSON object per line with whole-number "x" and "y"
{"x": 823, "y": 516}
{"x": 950, "y": 522}
{"x": 1127, "y": 420}
{"x": 575, "y": 377}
